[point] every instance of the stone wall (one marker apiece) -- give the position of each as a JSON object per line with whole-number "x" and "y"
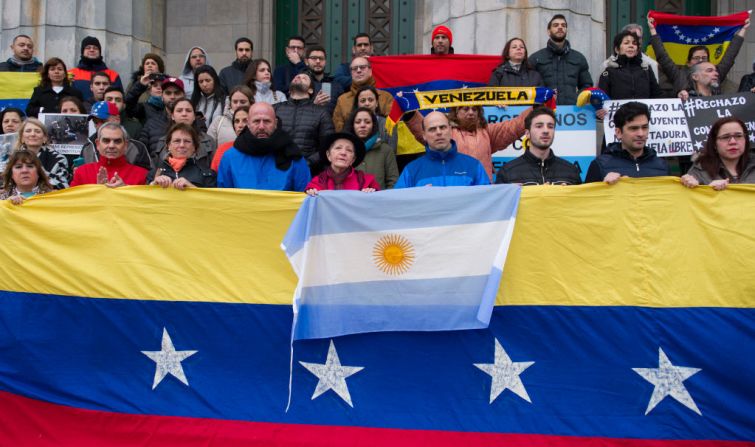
{"x": 127, "y": 29}
{"x": 215, "y": 25}
{"x": 484, "y": 26}
{"x": 746, "y": 56}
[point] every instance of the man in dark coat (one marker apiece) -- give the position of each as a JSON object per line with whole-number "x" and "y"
{"x": 284, "y": 74}
{"x": 629, "y": 157}
{"x": 562, "y": 67}
{"x": 23, "y": 56}
{"x": 233, "y": 75}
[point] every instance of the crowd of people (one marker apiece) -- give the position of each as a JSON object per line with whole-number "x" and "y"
{"x": 295, "y": 127}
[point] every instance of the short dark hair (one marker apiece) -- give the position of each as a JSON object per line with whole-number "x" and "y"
{"x": 620, "y": 38}
{"x": 311, "y": 49}
{"x": 243, "y": 39}
{"x": 44, "y": 71}
{"x": 629, "y": 111}
{"x": 99, "y": 74}
{"x": 299, "y": 38}
{"x": 114, "y": 88}
{"x": 692, "y": 51}
{"x": 362, "y": 35}
{"x": 537, "y": 111}
{"x": 75, "y": 100}
{"x": 183, "y": 127}
{"x": 22, "y": 35}
{"x": 556, "y": 17}
{"x": 353, "y": 116}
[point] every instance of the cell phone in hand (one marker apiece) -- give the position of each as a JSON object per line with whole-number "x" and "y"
{"x": 326, "y": 88}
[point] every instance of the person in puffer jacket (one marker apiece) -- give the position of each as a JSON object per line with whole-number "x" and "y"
{"x": 308, "y": 124}
{"x": 626, "y": 75}
{"x": 90, "y": 63}
{"x": 515, "y": 69}
{"x": 629, "y": 157}
{"x": 442, "y": 164}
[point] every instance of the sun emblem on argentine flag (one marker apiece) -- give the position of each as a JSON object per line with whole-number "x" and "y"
{"x": 393, "y": 254}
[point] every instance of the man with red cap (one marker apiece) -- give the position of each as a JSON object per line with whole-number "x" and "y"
{"x": 442, "y": 39}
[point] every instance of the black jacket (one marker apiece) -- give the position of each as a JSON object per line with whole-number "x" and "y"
{"x": 505, "y": 75}
{"x": 232, "y": 75}
{"x": 45, "y": 97}
{"x": 307, "y": 123}
{"x": 195, "y": 171}
{"x": 629, "y": 78}
{"x": 154, "y": 129}
{"x": 564, "y": 69}
{"x": 530, "y": 170}
{"x": 616, "y": 159}
{"x": 143, "y": 111}
{"x": 747, "y": 83}
{"x": 9, "y": 65}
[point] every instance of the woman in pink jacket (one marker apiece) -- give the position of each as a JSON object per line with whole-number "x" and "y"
{"x": 474, "y": 136}
{"x": 343, "y": 151}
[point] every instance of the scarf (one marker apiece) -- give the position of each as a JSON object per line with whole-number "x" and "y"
{"x": 559, "y": 51}
{"x": 262, "y": 87}
{"x": 338, "y": 179}
{"x": 156, "y": 101}
{"x": 370, "y": 142}
{"x": 21, "y": 63}
{"x": 90, "y": 64}
{"x": 177, "y": 163}
{"x": 279, "y": 145}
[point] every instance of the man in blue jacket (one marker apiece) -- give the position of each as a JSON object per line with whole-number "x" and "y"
{"x": 629, "y": 157}
{"x": 264, "y": 156}
{"x": 442, "y": 164}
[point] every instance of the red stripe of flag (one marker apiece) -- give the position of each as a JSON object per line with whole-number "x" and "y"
{"x": 401, "y": 71}
{"x": 662, "y": 18}
{"x": 28, "y": 422}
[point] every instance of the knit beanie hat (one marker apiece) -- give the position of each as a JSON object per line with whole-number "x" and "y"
{"x": 90, "y": 40}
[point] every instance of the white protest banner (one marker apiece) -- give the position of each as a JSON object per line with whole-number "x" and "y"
{"x": 574, "y": 139}
{"x": 669, "y": 134}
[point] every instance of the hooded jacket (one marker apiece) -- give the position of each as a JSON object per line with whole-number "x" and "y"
{"x": 130, "y": 174}
{"x": 564, "y": 69}
{"x": 629, "y": 78}
{"x": 187, "y": 74}
{"x": 448, "y": 168}
{"x": 273, "y": 163}
{"x": 531, "y": 170}
{"x": 83, "y": 72}
{"x": 616, "y": 159}
{"x": 345, "y": 103}
{"x": 380, "y": 161}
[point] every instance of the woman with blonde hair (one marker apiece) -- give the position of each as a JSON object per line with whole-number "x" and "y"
{"x": 33, "y": 136}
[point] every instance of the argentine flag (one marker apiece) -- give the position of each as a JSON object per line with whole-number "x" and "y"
{"x": 417, "y": 259}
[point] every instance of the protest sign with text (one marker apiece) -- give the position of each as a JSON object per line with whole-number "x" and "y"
{"x": 702, "y": 112}
{"x": 68, "y": 133}
{"x": 668, "y": 135}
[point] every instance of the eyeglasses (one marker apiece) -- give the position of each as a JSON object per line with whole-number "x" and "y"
{"x": 198, "y": 56}
{"x": 180, "y": 141}
{"x": 316, "y": 58}
{"x": 356, "y": 68}
{"x": 726, "y": 138}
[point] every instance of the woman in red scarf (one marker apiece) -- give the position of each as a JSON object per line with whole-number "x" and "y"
{"x": 180, "y": 168}
{"x": 343, "y": 151}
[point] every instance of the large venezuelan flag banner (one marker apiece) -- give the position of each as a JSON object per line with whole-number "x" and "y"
{"x": 680, "y": 33}
{"x": 411, "y": 73}
{"x": 16, "y": 88}
{"x": 140, "y": 316}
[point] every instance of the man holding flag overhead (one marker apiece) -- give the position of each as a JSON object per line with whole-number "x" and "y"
{"x": 677, "y": 40}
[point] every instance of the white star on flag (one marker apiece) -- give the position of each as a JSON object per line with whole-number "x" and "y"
{"x": 697, "y": 41}
{"x": 168, "y": 361}
{"x": 699, "y": 145}
{"x": 752, "y": 137}
{"x": 715, "y": 30}
{"x": 332, "y": 376}
{"x": 505, "y": 374}
{"x": 669, "y": 381}
{"x": 689, "y": 40}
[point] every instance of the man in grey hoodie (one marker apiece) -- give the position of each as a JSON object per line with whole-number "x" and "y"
{"x": 196, "y": 57}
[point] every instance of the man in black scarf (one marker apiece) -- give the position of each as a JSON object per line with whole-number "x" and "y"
{"x": 263, "y": 156}
{"x": 233, "y": 75}
{"x": 90, "y": 63}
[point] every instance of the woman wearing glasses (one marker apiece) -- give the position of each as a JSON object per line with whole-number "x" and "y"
{"x": 725, "y": 159}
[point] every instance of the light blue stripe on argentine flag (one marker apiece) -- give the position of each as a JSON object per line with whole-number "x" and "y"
{"x": 420, "y": 259}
